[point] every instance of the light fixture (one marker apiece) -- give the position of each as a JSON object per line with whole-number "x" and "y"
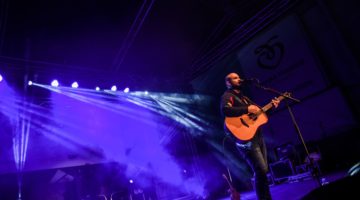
{"x": 113, "y": 88}
{"x": 75, "y": 85}
{"x": 55, "y": 83}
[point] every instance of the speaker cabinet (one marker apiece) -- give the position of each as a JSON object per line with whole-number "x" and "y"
{"x": 281, "y": 170}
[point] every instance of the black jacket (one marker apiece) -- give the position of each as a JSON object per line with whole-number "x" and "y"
{"x": 234, "y": 104}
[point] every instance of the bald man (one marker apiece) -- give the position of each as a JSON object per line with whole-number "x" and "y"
{"x": 235, "y": 104}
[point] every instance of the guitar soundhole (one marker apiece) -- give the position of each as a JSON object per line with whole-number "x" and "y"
{"x": 252, "y": 116}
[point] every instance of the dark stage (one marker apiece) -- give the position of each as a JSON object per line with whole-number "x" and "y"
{"x": 335, "y": 186}
{"x": 109, "y": 99}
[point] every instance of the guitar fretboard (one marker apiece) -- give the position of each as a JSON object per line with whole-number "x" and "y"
{"x": 269, "y": 105}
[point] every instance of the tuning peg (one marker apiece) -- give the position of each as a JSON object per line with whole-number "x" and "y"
{"x": 287, "y": 94}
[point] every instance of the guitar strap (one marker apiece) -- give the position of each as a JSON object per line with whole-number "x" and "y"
{"x": 251, "y": 102}
{"x": 237, "y": 97}
{"x": 243, "y": 98}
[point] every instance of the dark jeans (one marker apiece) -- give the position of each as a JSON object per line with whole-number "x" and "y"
{"x": 254, "y": 152}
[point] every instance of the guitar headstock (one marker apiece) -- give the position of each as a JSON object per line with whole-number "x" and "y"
{"x": 286, "y": 94}
{"x": 283, "y": 96}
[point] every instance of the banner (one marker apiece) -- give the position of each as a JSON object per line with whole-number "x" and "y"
{"x": 281, "y": 58}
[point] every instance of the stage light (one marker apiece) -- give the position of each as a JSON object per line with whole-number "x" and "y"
{"x": 126, "y": 90}
{"x": 55, "y": 83}
{"x": 1, "y": 78}
{"x": 75, "y": 85}
{"x": 97, "y": 88}
{"x": 146, "y": 92}
{"x": 30, "y": 83}
{"x": 113, "y": 88}
{"x": 131, "y": 181}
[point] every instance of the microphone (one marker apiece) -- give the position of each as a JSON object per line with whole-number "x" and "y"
{"x": 250, "y": 80}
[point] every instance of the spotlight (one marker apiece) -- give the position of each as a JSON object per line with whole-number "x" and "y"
{"x": 75, "y": 85}
{"x": 146, "y": 92}
{"x": 55, "y": 83}
{"x": 126, "y": 90}
{"x": 30, "y": 83}
{"x": 131, "y": 181}
{"x": 113, "y": 88}
{"x": 1, "y": 78}
{"x": 97, "y": 88}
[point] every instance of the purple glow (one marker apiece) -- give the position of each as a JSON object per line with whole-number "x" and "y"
{"x": 100, "y": 128}
{"x": 15, "y": 110}
{"x": 124, "y": 132}
{"x": 8, "y": 99}
{"x": 20, "y": 142}
{"x": 1, "y": 78}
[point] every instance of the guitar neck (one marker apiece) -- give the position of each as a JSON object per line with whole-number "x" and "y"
{"x": 267, "y": 107}
{"x": 270, "y": 105}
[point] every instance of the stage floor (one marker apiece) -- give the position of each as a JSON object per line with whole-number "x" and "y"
{"x": 294, "y": 190}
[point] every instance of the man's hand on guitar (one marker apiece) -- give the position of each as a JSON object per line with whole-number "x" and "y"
{"x": 253, "y": 109}
{"x": 275, "y": 102}
{"x": 245, "y": 126}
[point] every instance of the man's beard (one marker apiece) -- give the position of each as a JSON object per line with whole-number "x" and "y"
{"x": 237, "y": 87}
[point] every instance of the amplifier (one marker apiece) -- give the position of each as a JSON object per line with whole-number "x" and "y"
{"x": 281, "y": 170}
{"x": 285, "y": 151}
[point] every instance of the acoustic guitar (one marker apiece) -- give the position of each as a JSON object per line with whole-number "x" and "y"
{"x": 245, "y": 126}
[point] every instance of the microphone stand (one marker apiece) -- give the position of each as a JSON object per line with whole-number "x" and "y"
{"x": 313, "y": 168}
